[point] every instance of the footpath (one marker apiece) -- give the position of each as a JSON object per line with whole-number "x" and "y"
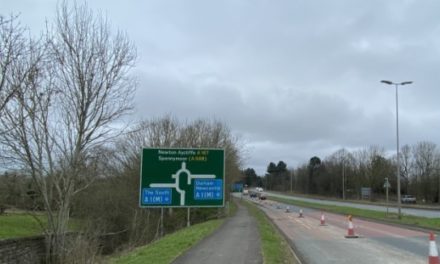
{"x": 236, "y": 241}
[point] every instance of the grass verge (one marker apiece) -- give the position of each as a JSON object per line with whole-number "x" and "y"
{"x": 232, "y": 208}
{"x": 421, "y": 222}
{"x": 274, "y": 248}
{"x": 19, "y": 225}
{"x": 171, "y": 246}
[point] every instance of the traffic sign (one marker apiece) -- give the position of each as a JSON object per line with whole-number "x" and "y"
{"x": 172, "y": 177}
{"x": 387, "y": 183}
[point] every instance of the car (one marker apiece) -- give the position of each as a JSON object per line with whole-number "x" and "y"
{"x": 262, "y": 196}
{"x": 408, "y": 198}
{"x": 245, "y": 192}
{"x": 259, "y": 189}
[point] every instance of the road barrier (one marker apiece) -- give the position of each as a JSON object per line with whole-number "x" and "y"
{"x": 350, "y": 233}
{"x": 433, "y": 252}
{"x": 322, "y": 219}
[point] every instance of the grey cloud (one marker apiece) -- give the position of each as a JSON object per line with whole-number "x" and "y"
{"x": 294, "y": 78}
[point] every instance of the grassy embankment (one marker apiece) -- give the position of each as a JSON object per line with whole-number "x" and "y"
{"x": 422, "y": 222}
{"x": 173, "y": 245}
{"x": 274, "y": 247}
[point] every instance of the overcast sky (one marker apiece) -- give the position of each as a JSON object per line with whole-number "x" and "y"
{"x": 293, "y": 79}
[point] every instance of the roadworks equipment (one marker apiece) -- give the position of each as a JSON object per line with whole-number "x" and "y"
{"x": 433, "y": 252}
{"x": 323, "y": 219}
{"x": 350, "y": 233}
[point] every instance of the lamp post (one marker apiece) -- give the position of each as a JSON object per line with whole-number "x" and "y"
{"x": 343, "y": 179}
{"x": 399, "y": 204}
{"x": 291, "y": 181}
{"x": 343, "y": 160}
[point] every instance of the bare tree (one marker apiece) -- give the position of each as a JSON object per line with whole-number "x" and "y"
{"x": 369, "y": 162}
{"x": 405, "y": 166}
{"x": 425, "y": 159}
{"x": 94, "y": 90}
{"x": 340, "y": 165}
{"x": 12, "y": 45}
{"x": 65, "y": 108}
{"x": 20, "y": 61}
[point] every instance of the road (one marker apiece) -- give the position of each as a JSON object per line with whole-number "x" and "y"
{"x": 378, "y": 243}
{"x": 236, "y": 241}
{"x": 407, "y": 211}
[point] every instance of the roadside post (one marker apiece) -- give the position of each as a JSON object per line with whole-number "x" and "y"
{"x": 188, "y": 217}
{"x": 387, "y": 185}
{"x": 182, "y": 178}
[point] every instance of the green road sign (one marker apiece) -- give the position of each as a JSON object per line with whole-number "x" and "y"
{"x": 182, "y": 177}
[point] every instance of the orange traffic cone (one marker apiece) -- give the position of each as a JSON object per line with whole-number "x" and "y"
{"x": 322, "y": 219}
{"x": 350, "y": 228}
{"x": 433, "y": 252}
{"x": 301, "y": 213}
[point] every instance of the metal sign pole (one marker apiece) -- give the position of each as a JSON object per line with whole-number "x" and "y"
{"x": 161, "y": 222}
{"x": 387, "y": 200}
{"x": 188, "y": 223}
{"x": 343, "y": 180}
{"x": 387, "y": 185}
{"x": 291, "y": 181}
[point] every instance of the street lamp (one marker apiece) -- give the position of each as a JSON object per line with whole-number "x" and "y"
{"x": 399, "y": 205}
{"x": 343, "y": 179}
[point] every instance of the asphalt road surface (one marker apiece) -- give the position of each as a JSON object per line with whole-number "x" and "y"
{"x": 407, "y": 211}
{"x": 378, "y": 243}
{"x": 236, "y": 241}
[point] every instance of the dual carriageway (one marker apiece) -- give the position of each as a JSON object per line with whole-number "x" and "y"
{"x": 377, "y": 242}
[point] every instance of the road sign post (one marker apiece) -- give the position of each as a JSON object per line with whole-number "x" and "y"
{"x": 172, "y": 177}
{"x": 387, "y": 185}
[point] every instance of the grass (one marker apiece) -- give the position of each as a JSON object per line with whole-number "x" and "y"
{"x": 14, "y": 225}
{"x": 274, "y": 248}
{"x": 171, "y": 246}
{"x": 232, "y": 208}
{"x": 24, "y": 224}
{"x": 421, "y": 222}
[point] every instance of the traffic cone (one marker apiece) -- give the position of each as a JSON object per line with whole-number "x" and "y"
{"x": 301, "y": 213}
{"x": 350, "y": 228}
{"x": 433, "y": 252}
{"x": 322, "y": 219}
